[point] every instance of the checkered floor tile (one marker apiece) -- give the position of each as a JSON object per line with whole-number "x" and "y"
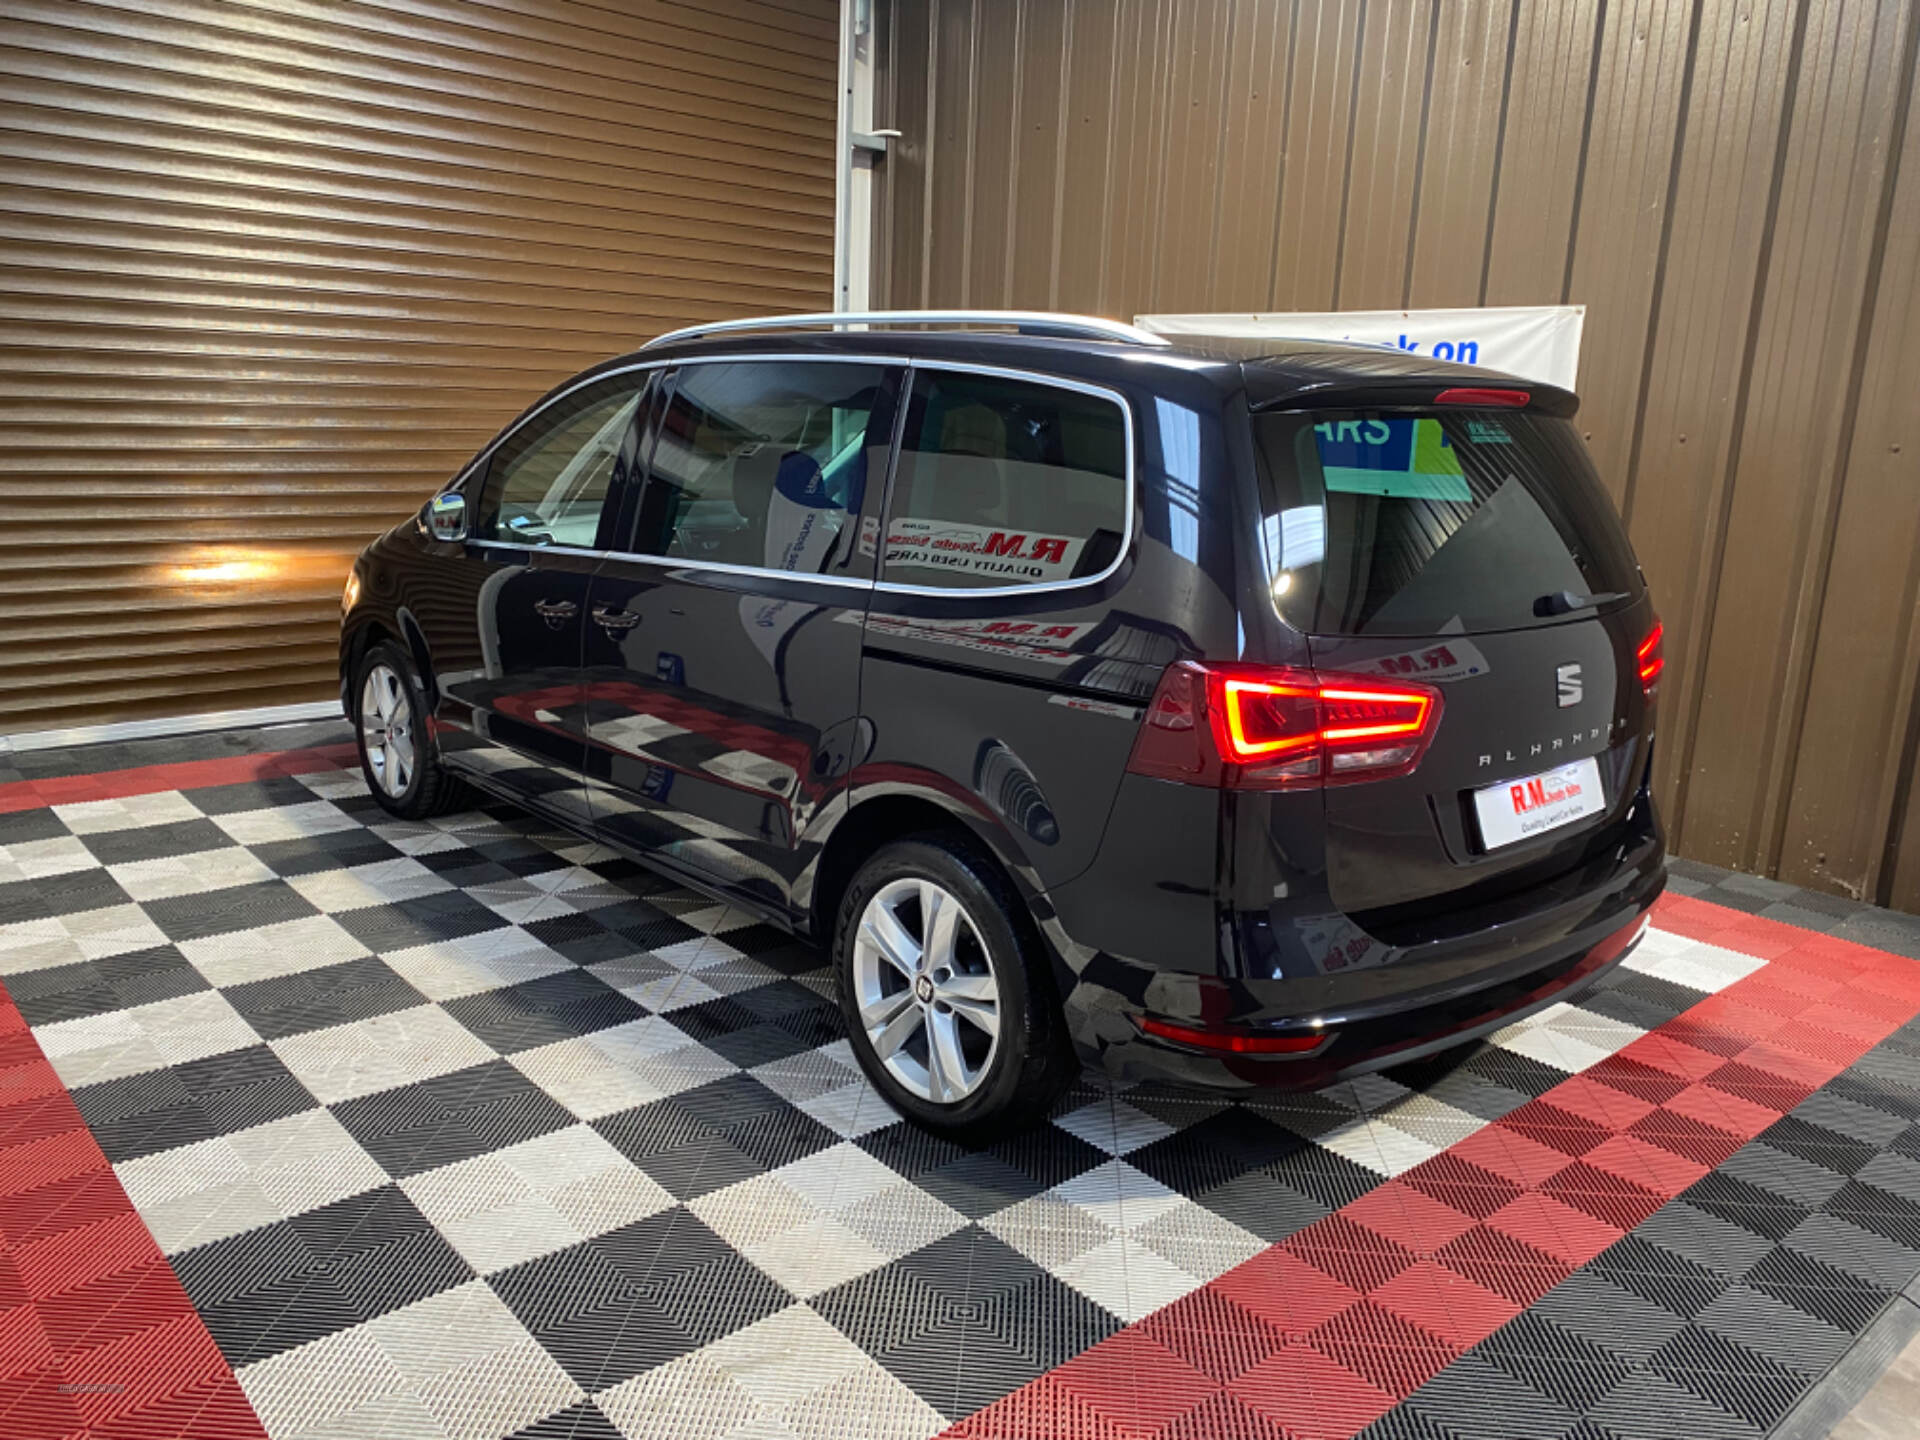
{"x": 473, "y": 1129}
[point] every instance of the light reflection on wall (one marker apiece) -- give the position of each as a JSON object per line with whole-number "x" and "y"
{"x": 210, "y": 571}
{"x": 223, "y": 572}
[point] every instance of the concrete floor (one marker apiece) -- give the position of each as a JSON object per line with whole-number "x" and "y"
{"x": 1891, "y": 1409}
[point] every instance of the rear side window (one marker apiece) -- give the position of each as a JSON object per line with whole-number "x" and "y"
{"x": 1006, "y": 482}
{"x": 548, "y": 481}
{"x": 764, "y": 464}
{"x": 1436, "y": 522}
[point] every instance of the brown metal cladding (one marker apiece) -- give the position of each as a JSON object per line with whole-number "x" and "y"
{"x": 1731, "y": 187}
{"x": 271, "y": 271}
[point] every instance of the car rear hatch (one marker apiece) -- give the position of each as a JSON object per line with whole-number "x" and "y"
{"x": 1460, "y": 545}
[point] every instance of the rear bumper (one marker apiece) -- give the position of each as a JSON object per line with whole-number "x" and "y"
{"x": 1405, "y": 1003}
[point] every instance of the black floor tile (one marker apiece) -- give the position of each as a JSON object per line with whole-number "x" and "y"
{"x": 20, "y": 827}
{"x": 452, "y": 1117}
{"x": 644, "y": 926}
{"x": 584, "y": 1421}
{"x": 625, "y": 1302}
{"x": 334, "y": 850}
{"x": 1558, "y": 1362}
{"x": 269, "y": 1289}
{"x": 713, "y": 1136}
{"x": 66, "y": 894}
{"x": 1725, "y": 1373}
{"x": 402, "y": 924}
{"x": 269, "y": 794}
{"x": 317, "y": 999}
{"x": 581, "y": 938}
{"x": 222, "y": 912}
{"x": 156, "y": 842}
{"x": 1843, "y": 1301}
{"x": 769, "y": 1022}
{"x": 142, "y": 1114}
{"x": 95, "y": 987}
{"x": 540, "y": 1012}
{"x": 965, "y": 1320}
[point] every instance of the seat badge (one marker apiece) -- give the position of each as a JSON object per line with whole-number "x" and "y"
{"x": 1571, "y": 690}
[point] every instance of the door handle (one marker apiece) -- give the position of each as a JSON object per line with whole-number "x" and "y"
{"x": 614, "y": 619}
{"x": 555, "y": 609}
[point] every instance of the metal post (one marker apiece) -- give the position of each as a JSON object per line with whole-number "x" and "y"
{"x": 843, "y": 162}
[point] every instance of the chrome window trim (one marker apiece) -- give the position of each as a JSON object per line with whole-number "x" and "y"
{"x": 891, "y": 587}
{"x": 657, "y": 363}
{"x": 536, "y": 549}
{"x": 674, "y": 562}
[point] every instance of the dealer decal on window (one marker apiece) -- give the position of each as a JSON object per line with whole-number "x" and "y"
{"x": 1005, "y": 552}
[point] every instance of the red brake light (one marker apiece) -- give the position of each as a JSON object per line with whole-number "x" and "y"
{"x": 1268, "y": 728}
{"x": 1234, "y": 1042}
{"x": 1651, "y": 657}
{"x": 1469, "y": 395}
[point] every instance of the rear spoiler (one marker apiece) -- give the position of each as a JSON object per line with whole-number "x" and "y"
{"x": 1449, "y": 386}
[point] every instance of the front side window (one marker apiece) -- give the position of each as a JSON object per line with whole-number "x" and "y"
{"x": 548, "y": 481}
{"x": 765, "y": 464}
{"x": 1006, "y": 482}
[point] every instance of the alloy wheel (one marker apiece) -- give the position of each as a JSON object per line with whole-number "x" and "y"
{"x": 928, "y": 998}
{"x": 386, "y": 729}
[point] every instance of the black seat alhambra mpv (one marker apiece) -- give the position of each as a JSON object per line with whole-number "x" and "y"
{"x": 1228, "y": 720}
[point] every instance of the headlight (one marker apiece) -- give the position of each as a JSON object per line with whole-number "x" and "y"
{"x": 350, "y": 596}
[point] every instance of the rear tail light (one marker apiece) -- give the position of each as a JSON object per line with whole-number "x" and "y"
{"x": 1651, "y": 657}
{"x": 1258, "y": 727}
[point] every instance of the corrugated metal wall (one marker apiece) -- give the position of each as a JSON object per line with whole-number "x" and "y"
{"x": 270, "y": 271}
{"x": 1732, "y": 187}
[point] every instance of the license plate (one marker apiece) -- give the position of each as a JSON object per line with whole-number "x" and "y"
{"x": 1518, "y": 810}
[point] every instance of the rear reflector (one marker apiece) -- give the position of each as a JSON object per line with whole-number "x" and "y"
{"x": 1467, "y": 395}
{"x": 1234, "y": 1042}
{"x": 1651, "y": 657}
{"x": 1258, "y": 727}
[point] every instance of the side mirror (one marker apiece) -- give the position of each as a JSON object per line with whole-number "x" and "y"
{"x": 447, "y": 516}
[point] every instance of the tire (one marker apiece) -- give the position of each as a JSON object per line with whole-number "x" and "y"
{"x": 911, "y": 1014}
{"x": 397, "y": 752}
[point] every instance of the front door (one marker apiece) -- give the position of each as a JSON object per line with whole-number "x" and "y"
{"x": 512, "y": 709}
{"x": 723, "y": 651}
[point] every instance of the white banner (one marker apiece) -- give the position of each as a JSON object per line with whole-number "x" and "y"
{"x": 1535, "y": 342}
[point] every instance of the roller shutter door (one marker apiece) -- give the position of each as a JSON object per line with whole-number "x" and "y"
{"x": 269, "y": 272}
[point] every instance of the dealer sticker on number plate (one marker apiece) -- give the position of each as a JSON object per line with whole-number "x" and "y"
{"x": 1518, "y": 810}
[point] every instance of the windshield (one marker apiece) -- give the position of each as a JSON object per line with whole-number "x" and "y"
{"x": 1435, "y": 522}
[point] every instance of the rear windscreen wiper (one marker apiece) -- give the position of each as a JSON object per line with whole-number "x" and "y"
{"x": 1565, "y": 602}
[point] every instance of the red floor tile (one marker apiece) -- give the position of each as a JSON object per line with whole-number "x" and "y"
{"x": 1356, "y": 1256}
{"x": 1290, "y": 1295}
{"x": 97, "y": 1338}
{"x": 1410, "y": 1218}
{"x": 182, "y": 775}
{"x": 1383, "y": 1347}
{"x": 1513, "y": 1157}
{"x": 1218, "y": 1336}
{"x": 1135, "y": 1382}
{"x": 1569, "y": 1235}
{"x": 1311, "y": 1396}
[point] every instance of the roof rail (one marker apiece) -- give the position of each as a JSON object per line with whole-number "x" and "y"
{"x": 1026, "y": 322}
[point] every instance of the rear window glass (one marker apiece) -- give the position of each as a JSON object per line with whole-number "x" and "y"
{"x": 1006, "y": 482}
{"x": 1430, "y": 523}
